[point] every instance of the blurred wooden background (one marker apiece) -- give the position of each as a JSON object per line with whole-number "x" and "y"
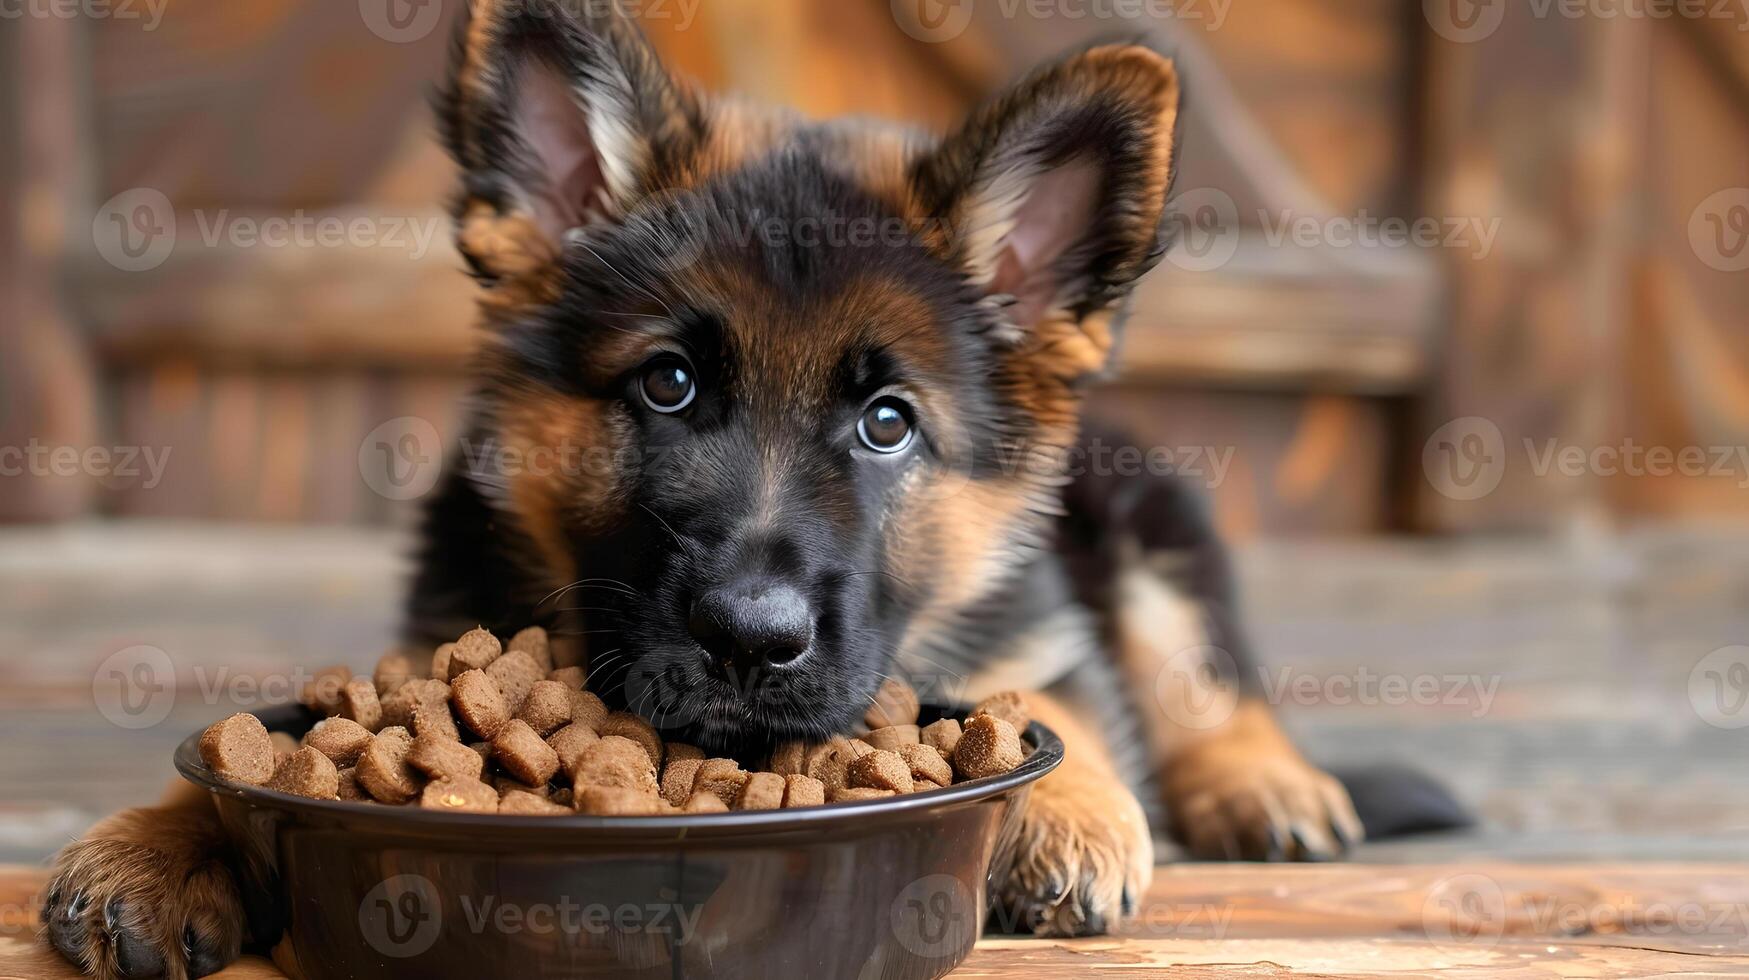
{"x": 1594, "y": 318}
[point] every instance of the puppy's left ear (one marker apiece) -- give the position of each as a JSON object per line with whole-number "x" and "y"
{"x": 1052, "y": 196}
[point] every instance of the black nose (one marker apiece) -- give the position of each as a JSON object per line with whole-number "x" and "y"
{"x": 752, "y": 624}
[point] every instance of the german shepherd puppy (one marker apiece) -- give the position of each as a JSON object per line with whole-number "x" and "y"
{"x": 807, "y": 391}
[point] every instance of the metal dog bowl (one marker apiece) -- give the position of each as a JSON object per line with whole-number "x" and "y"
{"x": 892, "y": 888}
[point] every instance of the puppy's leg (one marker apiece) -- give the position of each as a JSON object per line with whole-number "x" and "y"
{"x": 1233, "y": 784}
{"x": 147, "y": 893}
{"x": 1084, "y": 856}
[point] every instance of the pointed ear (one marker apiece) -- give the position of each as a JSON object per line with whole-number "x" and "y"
{"x": 559, "y": 114}
{"x": 1053, "y": 195}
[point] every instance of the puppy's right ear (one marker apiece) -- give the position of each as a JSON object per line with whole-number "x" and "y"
{"x": 559, "y": 114}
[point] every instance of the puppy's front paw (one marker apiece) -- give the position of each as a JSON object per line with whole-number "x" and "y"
{"x": 1084, "y": 858}
{"x": 146, "y": 894}
{"x": 1240, "y": 799}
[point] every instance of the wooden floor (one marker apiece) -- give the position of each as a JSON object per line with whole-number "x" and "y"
{"x": 1488, "y": 920}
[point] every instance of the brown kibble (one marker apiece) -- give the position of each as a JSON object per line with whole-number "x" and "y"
{"x": 322, "y": 692}
{"x": 722, "y": 777}
{"x": 474, "y": 651}
{"x": 677, "y": 779}
{"x": 880, "y": 769}
{"x": 617, "y": 801}
{"x": 435, "y": 718}
{"x": 525, "y": 804}
{"x": 479, "y": 702}
{"x": 852, "y": 794}
{"x": 1008, "y": 706}
{"x": 444, "y": 758}
{"x": 398, "y": 707}
{"x": 533, "y": 641}
{"x": 505, "y": 783}
{"x": 892, "y": 736}
{"x": 383, "y": 770}
{"x": 547, "y": 707}
{"x": 988, "y": 746}
{"x": 515, "y": 673}
{"x": 284, "y": 745}
{"x": 520, "y": 752}
{"x": 926, "y": 762}
{"x": 704, "y": 802}
{"x": 627, "y": 725}
{"x": 342, "y": 740}
{"x": 572, "y": 677}
{"x": 801, "y": 790}
{"x": 943, "y": 735}
{"x": 673, "y": 751}
{"x": 829, "y": 768}
{"x": 459, "y": 795}
{"x": 570, "y": 741}
{"x": 239, "y": 748}
{"x": 440, "y": 662}
{"x": 349, "y": 789}
{"x": 761, "y": 791}
{"x": 358, "y": 701}
{"x": 393, "y": 670}
{"x": 307, "y": 773}
{"x": 561, "y": 796}
{"x": 894, "y": 704}
{"x": 790, "y": 758}
{"x": 615, "y": 761}
{"x": 587, "y": 709}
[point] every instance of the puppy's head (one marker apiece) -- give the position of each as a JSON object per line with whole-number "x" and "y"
{"x": 781, "y": 398}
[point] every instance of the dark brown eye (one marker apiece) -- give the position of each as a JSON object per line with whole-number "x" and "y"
{"x": 886, "y": 426}
{"x": 667, "y": 385}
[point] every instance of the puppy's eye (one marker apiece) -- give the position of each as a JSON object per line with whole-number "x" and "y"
{"x": 667, "y": 385}
{"x": 886, "y": 426}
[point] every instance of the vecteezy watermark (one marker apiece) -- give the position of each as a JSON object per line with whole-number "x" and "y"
{"x": 1366, "y": 230}
{"x": 1475, "y": 910}
{"x": 935, "y": 917}
{"x": 1718, "y": 687}
{"x": 135, "y": 687}
{"x": 1718, "y": 230}
{"x": 116, "y": 466}
{"x": 407, "y": 21}
{"x": 138, "y": 230}
{"x": 402, "y": 916}
{"x": 1469, "y": 21}
{"x": 150, "y": 13}
{"x": 402, "y": 458}
{"x": 1204, "y": 229}
{"x": 1466, "y": 458}
{"x": 939, "y": 21}
{"x": 1207, "y": 465}
{"x": 1200, "y": 688}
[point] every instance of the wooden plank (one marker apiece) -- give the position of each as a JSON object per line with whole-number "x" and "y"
{"x": 1484, "y": 920}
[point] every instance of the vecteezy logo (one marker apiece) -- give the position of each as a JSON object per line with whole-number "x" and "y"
{"x": 1718, "y": 687}
{"x": 135, "y": 230}
{"x": 1464, "y": 21}
{"x": 933, "y": 21}
{"x": 135, "y": 687}
{"x": 401, "y": 917}
{"x": 1207, "y": 225}
{"x": 1198, "y": 687}
{"x": 1718, "y": 230}
{"x": 1465, "y": 458}
{"x": 1464, "y": 910}
{"x": 401, "y": 21}
{"x": 402, "y": 458}
{"x": 935, "y": 917}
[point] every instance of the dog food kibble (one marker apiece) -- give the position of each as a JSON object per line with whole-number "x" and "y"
{"x": 478, "y": 702}
{"x": 942, "y": 735}
{"x": 239, "y": 748}
{"x": 383, "y": 770}
{"x": 340, "y": 739}
{"x": 761, "y": 791}
{"x": 519, "y": 751}
{"x": 799, "y": 790}
{"x": 474, "y": 651}
{"x": 533, "y": 641}
{"x": 880, "y": 769}
{"x": 358, "y": 701}
{"x": 443, "y": 758}
{"x": 894, "y": 704}
{"x": 547, "y": 707}
{"x": 988, "y": 746}
{"x": 496, "y": 728}
{"x": 892, "y": 736}
{"x": 307, "y": 773}
{"x": 461, "y": 795}
{"x": 1008, "y": 706}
